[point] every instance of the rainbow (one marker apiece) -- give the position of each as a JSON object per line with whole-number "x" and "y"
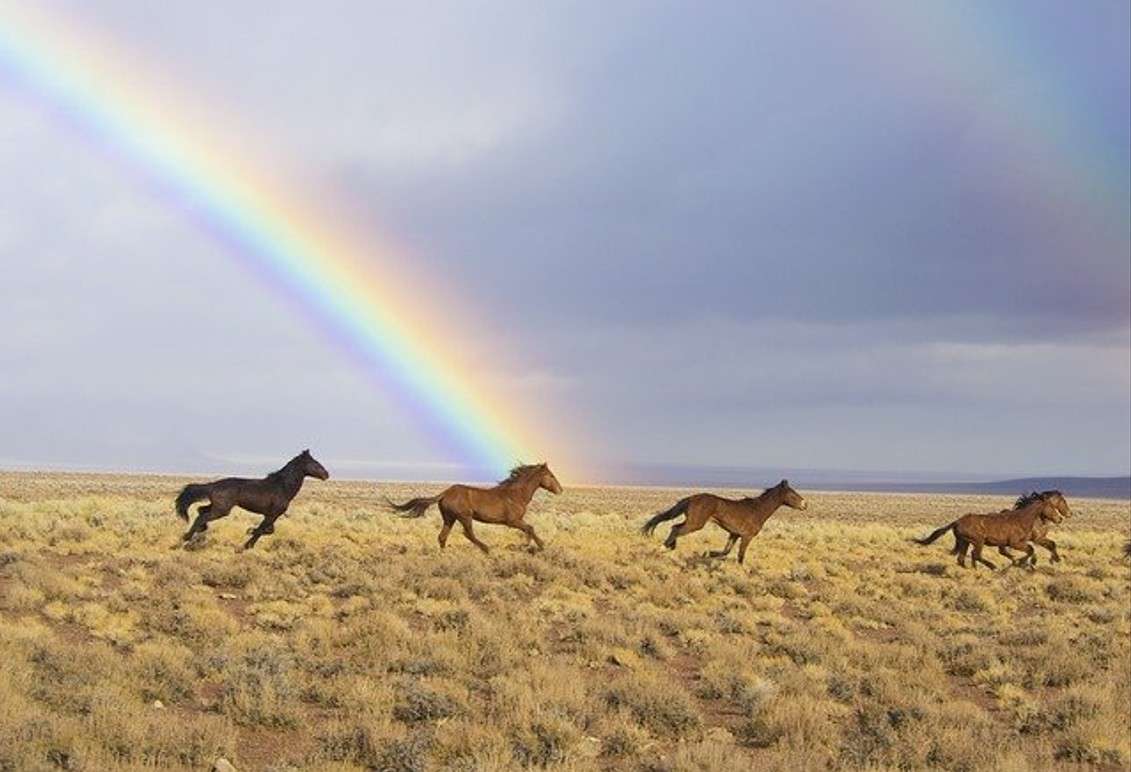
{"x": 89, "y": 84}
{"x": 997, "y": 77}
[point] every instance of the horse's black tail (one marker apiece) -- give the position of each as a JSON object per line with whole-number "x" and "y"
{"x": 936, "y": 534}
{"x": 189, "y": 495}
{"x": 670, "y": 514}
{"x": 414, "y": 507}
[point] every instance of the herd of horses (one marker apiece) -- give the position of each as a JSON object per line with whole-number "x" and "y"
{"x": 1019, "y": 528}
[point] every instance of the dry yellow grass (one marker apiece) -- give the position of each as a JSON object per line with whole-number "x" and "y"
{"x": 349, "y": 641}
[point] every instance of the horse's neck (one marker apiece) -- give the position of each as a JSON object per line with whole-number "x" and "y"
{"x": 1030, "y": 514}
{"x": 290, "y": 477}
{"x": 524, "y": 489}
{"x": 766, "y": 505}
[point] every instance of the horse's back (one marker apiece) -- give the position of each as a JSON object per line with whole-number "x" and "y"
{"x": 1001, "y": 528}
{"x": 485, "y": 504}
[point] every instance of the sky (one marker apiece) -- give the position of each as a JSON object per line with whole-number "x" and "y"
{"x": 877, "y": 236}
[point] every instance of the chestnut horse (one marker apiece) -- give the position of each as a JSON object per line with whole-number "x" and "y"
{"x": 268, "y": 496}
{"x": 742, "y": 519}
{"x": 505, "y": 504}
{"x": 1014, "y": 528}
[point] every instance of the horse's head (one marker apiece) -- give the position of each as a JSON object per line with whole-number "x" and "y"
{"x": 1053, "y": 499}
{"x": 547, "y": 480}
{"x": 790, "y": 497}
{"x": 310, "y": 466}
{"x": 1049, "y": 510}
{"x": 1056, "y": 498}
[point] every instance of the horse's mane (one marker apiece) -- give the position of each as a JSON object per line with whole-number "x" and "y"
{"x": 519, "y": 472}
{"x": 1026, "y": 499}
{"x": 278, "y": 473}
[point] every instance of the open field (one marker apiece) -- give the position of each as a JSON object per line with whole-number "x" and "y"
{"x": 349, "y": 641}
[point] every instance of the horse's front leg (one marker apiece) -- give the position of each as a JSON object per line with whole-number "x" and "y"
{"x": 528, "y": 529}
{"x": 265, "y": 528}
{"x": 1050, "y": 545}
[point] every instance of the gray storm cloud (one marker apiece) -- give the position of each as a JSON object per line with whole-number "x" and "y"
{"x": 718, "y": 234}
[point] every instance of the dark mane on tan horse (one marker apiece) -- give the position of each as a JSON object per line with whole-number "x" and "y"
{"x": 504, "y": 504}
{"x": 1028, "y": 498}
{"x": 518, "y": 472}
{"x": 741, "y": 518}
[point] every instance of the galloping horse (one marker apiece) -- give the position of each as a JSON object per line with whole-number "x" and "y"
{"x": 1014, "y": 528}
{"x": 269, "y": 496}
{"x": 742, "y": 519}
{"x": 505, "y": 504}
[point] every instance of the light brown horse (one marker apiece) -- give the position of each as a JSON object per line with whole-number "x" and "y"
{"x": 742, "y": 519}
{"x": 1012, "y": 528}
{"x": 505, "y": 504}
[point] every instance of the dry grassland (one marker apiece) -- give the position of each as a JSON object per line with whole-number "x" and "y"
{"x": 349, "y": 641}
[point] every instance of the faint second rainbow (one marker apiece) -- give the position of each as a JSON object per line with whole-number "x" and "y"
{"x": 92, "y": 85}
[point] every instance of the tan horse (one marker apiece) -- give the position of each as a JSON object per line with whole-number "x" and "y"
{"x": 1014, "y": 528}
{"x": 742, "y": 519}
{"x": 505, "y": 504}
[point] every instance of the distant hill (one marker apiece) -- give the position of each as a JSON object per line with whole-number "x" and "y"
{"x": 1087, "y": 487}
{"x": 875, "y": 481}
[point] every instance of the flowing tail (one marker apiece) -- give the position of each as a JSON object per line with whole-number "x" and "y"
{"x": 414, "y": 507}
{"x": 189, "y": 495}
{"x": 679, "y": 509}
{"x": 936, "y": 534}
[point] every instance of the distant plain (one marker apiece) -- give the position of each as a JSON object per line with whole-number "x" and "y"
{"x": 348, "y": 640}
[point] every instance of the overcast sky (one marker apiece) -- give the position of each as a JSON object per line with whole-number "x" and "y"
{"x": 872, "y": 237}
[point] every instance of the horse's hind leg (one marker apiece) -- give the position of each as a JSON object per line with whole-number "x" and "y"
{"x": 1013, "y": 561}
{"x": 725, "y": 550}
{"x": 960, "y": 547}
{"x": 689, "y": 525}
{"x": 200, "y": 523}
{"x": 206, "y": 514}
{"x": 976, "y": 556}
{"x": 449, "y": 521}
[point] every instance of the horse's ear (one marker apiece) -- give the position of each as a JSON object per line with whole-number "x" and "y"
{"x": 784, "y": 483}
{"x": 306, "y": 452}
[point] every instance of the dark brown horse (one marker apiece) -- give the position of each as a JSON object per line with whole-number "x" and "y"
{"x": 742, "y": 519}
{"x": 1012, "y": 528}
{"x": 268, "y": 496}
{"x": 505, "y": 504}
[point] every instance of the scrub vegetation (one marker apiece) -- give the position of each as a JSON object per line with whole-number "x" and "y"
{"x": 350, "y": 641}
